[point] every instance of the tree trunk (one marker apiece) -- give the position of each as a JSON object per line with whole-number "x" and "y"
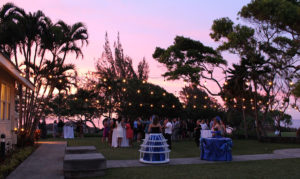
{"x": 245, "y": 125}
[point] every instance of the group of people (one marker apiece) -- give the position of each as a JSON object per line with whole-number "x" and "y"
{"x": 121, "y": 132}
{"x": 216, "y": 126}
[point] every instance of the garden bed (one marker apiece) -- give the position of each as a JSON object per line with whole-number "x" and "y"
{"x": 14, "y": 159}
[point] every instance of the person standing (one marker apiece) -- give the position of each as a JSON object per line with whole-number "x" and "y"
{"x": 168, "y": 132}
{"x": 129, "y": 132}
{"x": 60, "y": 126}
{"x": 197, "y": 131}
{"x": 119, "y": 131}
{"x": 44, "y": 129}
{"x": 55, "y": 129}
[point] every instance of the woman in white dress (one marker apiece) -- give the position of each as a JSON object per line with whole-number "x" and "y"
{"x": 119, "y": 131}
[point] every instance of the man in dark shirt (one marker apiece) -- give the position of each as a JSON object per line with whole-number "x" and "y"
{"x": 197, "y": 131}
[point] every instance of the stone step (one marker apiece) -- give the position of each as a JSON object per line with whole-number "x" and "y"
{"x": 84, "y": 165}
{"x": 81, "y": 150}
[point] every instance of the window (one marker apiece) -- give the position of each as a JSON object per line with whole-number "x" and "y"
{"x": 5, "y": 102}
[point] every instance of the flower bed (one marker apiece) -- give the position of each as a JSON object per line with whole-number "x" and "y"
{"x": 14, "y": 159}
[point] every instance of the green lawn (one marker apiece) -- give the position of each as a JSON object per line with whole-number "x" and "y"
{"x": 180, "y": 149}
{"x": 286, "y": 168}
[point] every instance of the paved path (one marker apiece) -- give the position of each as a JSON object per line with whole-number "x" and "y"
{"x": 46, "y": 162}
{"x": 277, "y": 154}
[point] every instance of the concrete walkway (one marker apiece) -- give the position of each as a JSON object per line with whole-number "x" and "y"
{"x": 46, "y": 162}
{"x": 277, "y": 154}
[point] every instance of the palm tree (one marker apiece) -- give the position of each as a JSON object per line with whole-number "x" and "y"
{"x": 71, "y": 36}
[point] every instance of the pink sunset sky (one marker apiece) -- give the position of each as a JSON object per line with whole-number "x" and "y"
{"x": 143, "y": 25}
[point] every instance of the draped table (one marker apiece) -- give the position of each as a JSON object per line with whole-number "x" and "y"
{"x": 68, "y": 132}
{"x": 216, "y": 149}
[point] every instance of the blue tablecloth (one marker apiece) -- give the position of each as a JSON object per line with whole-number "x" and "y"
{"x": 216, "y": 149}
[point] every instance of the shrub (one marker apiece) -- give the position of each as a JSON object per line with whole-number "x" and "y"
{"x": 12, "y": 161}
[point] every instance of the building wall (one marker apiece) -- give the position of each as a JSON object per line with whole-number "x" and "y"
{"x": 7, "y": 125}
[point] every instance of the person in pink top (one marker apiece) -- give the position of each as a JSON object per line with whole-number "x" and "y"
{"x": 129, "y": 132}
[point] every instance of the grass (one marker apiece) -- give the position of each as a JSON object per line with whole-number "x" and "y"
{"x": 285, "y": 168}
{"x": 186, "y": 148}
{"x": 14, "y": 160}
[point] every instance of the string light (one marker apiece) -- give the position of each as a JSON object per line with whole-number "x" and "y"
{"x": 151, "y": 105}
{"x": 143, "y": 81}
{"x": 164, "y": 94}
{"x": 225, "y": 83}
{"x": 195, "y": 97}
{"x": 86, "y": 100}
{"x": 60, "y": 81}
{"x": 184, "y": 106}
{"x": 194, "y": 106}
{"x": 22, "y": 129}
{"x": 138, "y": 91}
{"x": 291, "y": 83}
{"x": 270, "y": 83}
{"x": 187, "y": 96}
{"x": 141, "y": 105}
{"x": 244, "y": 107}
{"x": 50, "y": 76}
{"x": 253, "y": 107}
{"x": 163, "y": 106}
{"x": 173, "y": 106}
{"x": 244, "y": 99}
{"x": 129, "y": 104}
{"x": 124, "y": 89}
{"x": 109, "y": 87}
{"x": 248, "y": 83}
{"x": 205, "y": 97}
{"x": 205, "y": 106}
{"x": 151, "y": 92}
{"x": 104, "y": 79}
{"x": 97, "y": 101}
{"x": 124, "y": 80}
{"x": 75, "y": 98}
{"x": 234, "y": 106}
{"x": 225, "y": 99}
